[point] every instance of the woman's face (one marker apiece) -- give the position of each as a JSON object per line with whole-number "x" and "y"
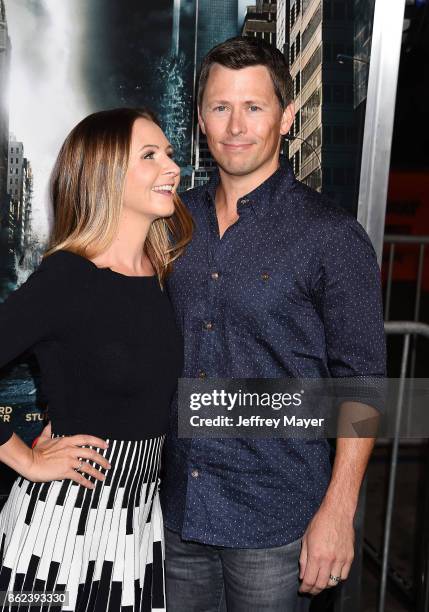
{"x": 152, "y": 176}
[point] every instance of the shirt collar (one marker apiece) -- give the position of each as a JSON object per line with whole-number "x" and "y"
{"x": 268, "y": 196}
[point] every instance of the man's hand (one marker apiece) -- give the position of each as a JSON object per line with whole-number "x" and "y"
{"x": 328, "y": 543}
{"x": 327, "y": 550}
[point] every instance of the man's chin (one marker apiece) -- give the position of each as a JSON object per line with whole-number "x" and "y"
{"x": 240, "y": 167}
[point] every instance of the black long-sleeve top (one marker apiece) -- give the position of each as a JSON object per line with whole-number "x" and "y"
{"x": 107, "y": 345}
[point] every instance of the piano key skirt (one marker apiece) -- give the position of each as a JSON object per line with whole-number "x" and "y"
{"x": 104, "y": 546}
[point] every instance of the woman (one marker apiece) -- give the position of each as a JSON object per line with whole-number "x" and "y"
{"x": 102, "y": 329}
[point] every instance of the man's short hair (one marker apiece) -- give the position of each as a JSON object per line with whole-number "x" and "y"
{"x": 241, "y": 52}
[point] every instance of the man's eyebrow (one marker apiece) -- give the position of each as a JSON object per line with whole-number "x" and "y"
{"x": 253, "y": 101}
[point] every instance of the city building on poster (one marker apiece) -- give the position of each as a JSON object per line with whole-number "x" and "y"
{"x": 282, "y": 26}
{"x": 15, "y": 168}
{"x": 20, "y": 192}
{"x": 364, "y": 10}
{"x": 261, "y": 21}
{"x": 319, "y": 32}
{"x": 5, "y": 49}
{"x": 4, "y": 117}
{"x": 17, "y": 248}
{"x": 215, "y": 21}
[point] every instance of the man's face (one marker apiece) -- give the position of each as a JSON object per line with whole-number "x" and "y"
{"x": 241, "y": 116}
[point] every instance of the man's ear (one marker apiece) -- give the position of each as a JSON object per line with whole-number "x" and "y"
{"x": 201, "y": 121}
{"x": 287, "y": 119}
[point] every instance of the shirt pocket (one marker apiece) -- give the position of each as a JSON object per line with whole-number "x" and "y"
{"x": 264, "y": 296}
{"x": 253, "y": 296}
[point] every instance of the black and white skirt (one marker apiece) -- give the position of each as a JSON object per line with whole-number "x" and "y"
{"x": 103, "y": 546}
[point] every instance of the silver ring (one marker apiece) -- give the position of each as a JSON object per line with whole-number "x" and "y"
{"x": 334, "y": 578}
{"x": 79, "y": 467}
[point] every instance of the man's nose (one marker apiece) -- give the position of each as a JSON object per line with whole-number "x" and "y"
{"x": 237, "y": 123}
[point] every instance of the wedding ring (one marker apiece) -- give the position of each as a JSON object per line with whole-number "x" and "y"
{"x": 79, "y": 467}
{"x": 334, "y": 578}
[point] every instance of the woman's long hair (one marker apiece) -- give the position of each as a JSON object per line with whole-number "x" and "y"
{"x": 87, "y": 186}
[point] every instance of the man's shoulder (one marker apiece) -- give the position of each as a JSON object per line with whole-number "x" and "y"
{"x": 317, "y": 206}
{"x": 321, "y": 212}
{"x": 327, "y": 222}
{"x": 193, "y": 197}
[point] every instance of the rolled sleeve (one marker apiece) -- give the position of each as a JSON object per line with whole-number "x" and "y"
{"x": 348, "y": 296}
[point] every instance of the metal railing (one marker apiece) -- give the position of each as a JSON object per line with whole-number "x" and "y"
{"x": 393, "y": 240}
{"x": 420, "y": 243}
{"x": 407, "y": 329}
{"x": 349, "y": 595}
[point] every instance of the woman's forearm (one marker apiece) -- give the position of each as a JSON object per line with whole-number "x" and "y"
{"x": 17, "y": 455}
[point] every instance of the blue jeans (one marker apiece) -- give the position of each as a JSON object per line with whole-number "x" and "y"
{"x": 205, "y": 578}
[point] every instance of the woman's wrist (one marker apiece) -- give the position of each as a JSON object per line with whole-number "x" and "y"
{"x": 17, "y": 455}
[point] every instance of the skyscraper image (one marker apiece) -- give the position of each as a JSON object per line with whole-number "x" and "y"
{"x": 215, "y": 21}
{"x": 4, "y": 113}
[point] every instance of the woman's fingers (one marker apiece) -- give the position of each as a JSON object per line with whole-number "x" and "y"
{"x": 84, "y": 440}
{"x": 87, "y": 468}
{"x": 57, "y": 459}
{"x": 93, "y": 455}
{"x": 80, "y": 479}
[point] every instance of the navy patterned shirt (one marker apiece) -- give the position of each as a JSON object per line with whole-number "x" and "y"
{"x": 292, "y": 289}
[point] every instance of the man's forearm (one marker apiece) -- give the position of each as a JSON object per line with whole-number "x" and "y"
{"x": 328, "y": 542}
{"x": 351, "y": 460}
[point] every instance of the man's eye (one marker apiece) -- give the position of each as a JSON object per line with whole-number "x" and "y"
{"x": 253, "y": 107}
{"x": 220, "y": 108}
{"x": 149, "y": 155}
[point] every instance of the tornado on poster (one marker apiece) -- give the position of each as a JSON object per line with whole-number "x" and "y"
{"x": 59, "y": 61}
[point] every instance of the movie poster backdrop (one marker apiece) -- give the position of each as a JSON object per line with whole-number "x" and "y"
{"x": 61, "y": 60}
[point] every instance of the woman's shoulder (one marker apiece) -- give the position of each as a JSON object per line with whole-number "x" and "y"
{"x": 62, "y": 272}
{"x": 66, "y": 263}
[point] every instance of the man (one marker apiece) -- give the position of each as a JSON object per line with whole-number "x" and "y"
{"x": 276, "y": 283}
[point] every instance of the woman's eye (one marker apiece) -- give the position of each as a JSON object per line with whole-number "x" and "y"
{"x": 149, "y": 155}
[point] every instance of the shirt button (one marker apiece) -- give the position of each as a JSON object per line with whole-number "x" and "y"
{"x": 215, "y": 275}
{"x": 195, "y": 473}
{"x": 208, "y": 325}
{"x": 201, "y": 374}
{"x": 265, "y": 276}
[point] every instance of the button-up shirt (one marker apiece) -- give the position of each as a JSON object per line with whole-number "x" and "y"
{"x": 292, "y": 289}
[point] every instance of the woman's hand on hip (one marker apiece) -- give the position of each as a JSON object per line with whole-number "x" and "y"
{"x": 58, "y": 458}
